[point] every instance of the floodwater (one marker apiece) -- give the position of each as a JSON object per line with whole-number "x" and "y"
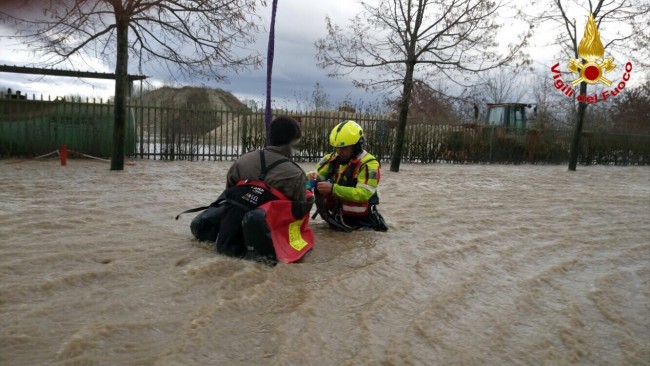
{"x": 483, "y": 265}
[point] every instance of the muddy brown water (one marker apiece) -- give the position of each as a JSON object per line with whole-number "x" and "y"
{"x": 483, "y": 265}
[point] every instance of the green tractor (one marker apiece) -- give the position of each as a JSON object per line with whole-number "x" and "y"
{"x": 505, "y": 131}
{"x": 511, "y": 117}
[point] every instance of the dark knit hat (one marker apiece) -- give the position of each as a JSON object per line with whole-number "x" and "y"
{"x": 284, "y": 130}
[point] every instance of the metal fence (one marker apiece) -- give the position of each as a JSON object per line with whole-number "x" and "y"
{"x": 34, "y": 127}
{"x": 172, "y": 133}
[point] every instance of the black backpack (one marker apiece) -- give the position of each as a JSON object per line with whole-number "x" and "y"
{"x": 229, "y": 209}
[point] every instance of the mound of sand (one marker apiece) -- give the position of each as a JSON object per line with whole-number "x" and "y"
{"x": 189, "y": 96}
{"x": 189, "y": 109}
{"x": 229, "y": 130}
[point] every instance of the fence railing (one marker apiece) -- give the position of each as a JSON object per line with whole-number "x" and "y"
{"x": 34, "y": 127}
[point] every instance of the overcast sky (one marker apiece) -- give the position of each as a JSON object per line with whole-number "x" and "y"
{"x": 300, "y": 23}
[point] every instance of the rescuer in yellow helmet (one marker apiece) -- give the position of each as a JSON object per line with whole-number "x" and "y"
{"x": 349, "y": 177}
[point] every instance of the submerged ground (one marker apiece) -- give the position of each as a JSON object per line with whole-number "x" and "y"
{"x": 490, "y": 265}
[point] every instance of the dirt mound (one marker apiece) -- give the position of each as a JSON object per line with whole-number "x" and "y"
{"x": 196, "y": 97}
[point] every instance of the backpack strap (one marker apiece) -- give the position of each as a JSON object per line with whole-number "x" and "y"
{"x": 193, "y": 210}
{"x": 216, "y": 203}
{"x": 267, "y": 169}
{"x": 263, "y": 166}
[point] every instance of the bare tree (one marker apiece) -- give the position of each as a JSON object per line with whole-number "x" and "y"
{"x": 394, "y": 37}
{"x": 502, "y": 86}
{"x": 317, "y": 100}
{"x": 632, "y": 42}
{"x": 551, "y": 107}
{"x": 428, "y": 106}
{"x": 631, "y": 112}
{"x": 320, "y": 100}
{"x": 187, "y": 37}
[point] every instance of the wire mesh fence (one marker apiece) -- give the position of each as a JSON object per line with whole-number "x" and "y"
{"x": 31, "y": 127}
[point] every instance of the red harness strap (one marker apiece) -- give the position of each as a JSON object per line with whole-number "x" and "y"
{"x": 349, "y": 208}
{"x": 351, "y": 174}
{"x": 257, "y": 183}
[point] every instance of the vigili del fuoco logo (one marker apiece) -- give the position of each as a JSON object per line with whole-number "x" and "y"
{"x": 592, "y": 69}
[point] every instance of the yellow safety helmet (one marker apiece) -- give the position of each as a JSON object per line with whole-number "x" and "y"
{"x": 346, "y": 133}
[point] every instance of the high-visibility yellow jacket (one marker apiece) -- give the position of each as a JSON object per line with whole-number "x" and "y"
{"x": 355, "y": 182}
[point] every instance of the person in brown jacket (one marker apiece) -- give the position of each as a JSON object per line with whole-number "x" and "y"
{"x": 286, "y": 177}
{"x": 274, "y": 167}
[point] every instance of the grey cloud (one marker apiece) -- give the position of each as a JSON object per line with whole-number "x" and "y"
{"x": 299, "y": 24}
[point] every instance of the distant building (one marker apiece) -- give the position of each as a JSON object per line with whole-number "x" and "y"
{"x": 17, "y": 95}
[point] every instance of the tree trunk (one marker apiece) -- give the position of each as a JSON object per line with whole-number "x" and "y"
{"x": 268, "y": 114}
{"x": 121, "y": 91}
{"x": 577, "y": 132}
{"x": 403, "y": 116}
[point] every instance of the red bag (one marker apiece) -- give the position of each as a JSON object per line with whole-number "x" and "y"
{"x": 292, "y": 237}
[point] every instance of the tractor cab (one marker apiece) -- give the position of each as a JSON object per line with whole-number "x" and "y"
{"x": 509, "y": 116}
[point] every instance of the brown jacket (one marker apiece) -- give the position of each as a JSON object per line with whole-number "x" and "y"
{"x": 286, "y": 177}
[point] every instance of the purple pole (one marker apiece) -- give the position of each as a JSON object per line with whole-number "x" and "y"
{"x": 268, "y": 115}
